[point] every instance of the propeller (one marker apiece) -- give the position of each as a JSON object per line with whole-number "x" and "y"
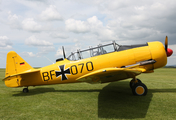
{"x": 168, "y": 50}
{"x": 166, "y": 43}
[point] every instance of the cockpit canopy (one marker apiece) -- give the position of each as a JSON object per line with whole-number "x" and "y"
{"x": 95, "y": 51}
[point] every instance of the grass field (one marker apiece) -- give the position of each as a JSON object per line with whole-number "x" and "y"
{"x": 93, "y": 102}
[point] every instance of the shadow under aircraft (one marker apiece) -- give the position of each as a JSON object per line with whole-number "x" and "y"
{"x": 116, "y": 101}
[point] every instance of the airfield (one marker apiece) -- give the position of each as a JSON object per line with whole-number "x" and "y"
{"x": 80, "y": 101}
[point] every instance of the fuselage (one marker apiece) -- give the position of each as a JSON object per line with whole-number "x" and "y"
{"x": 67, "y": 71}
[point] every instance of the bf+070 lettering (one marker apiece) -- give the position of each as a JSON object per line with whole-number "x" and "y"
{"x": 73, "y": 70}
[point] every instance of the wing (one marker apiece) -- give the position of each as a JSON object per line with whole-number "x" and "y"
{"x": 110, "y": 74}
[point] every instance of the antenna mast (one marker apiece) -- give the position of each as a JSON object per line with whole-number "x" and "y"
{"x": 63, "y": 52}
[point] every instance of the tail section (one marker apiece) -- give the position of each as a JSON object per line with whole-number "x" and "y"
{"x": 15, "y": 64}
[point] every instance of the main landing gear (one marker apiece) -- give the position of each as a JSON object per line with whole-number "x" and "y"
{"x": 138, "y": 88}
{"x": 25, "y": 90}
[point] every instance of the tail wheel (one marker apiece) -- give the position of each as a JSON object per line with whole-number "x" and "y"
{"x": 139, "y": 89}
{"x": 25, "y": 90}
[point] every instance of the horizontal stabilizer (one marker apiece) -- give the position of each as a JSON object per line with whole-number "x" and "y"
{"x": 22, "y": 73}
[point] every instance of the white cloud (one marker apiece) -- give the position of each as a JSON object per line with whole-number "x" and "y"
{"x": 59, "y": 35}
{"x": 103, "y": 32}
{"x": 30, "y": 25}
{"x": 28, "y": 54}
{"x": 77, "y": 26}
{"x": 33, "y": 41}
{"x": 126, "y": 21}
{"x": 5, "y": 43}
{"x": 51, "y": 13}
{"x": 42, "y": 50}
{"x": 158, "y": 6}
{"x": 46, "y": 49}
{"x": 92, "y": 25}
{"x": 94, "y": 22}
{"x": 14, "y": 21}
{"x": 139, "y": 7}
{"x": 59, "y": 53}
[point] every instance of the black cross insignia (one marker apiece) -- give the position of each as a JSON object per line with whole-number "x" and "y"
{"x": 62, "y": 72}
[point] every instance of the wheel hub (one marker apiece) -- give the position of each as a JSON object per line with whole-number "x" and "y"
{"x": 140, "y": 90}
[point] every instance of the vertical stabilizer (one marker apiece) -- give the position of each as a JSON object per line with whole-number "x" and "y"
{"x": 15, "y": 64}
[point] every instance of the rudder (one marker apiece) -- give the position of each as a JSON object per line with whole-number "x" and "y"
{"x": 15, "y": 64}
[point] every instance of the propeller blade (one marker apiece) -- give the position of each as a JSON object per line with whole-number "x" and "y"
{"x": 168, "y": 50}
{"x": 166, "y": 43}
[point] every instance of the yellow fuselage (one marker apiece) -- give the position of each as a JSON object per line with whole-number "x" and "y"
{"x": 71, "y": 70}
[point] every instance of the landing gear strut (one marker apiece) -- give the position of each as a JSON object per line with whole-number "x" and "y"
{"x": 25, "y": 90}
{"x": 138, "y": 88}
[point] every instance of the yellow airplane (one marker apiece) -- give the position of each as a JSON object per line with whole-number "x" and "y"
{"x": 101, "y": 64}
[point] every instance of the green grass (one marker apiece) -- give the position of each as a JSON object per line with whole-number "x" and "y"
{"x": 84, "y": 101}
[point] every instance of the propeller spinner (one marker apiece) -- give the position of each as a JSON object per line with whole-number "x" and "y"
{"x": 168, "y": 50}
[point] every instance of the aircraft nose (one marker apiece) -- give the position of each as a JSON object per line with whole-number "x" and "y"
{"x": 169, "y": 52}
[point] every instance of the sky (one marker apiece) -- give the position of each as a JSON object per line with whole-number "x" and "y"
{"x": 37, "y": 29}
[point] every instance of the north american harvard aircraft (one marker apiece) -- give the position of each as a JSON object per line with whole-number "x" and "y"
{"x": 101, "y": 64}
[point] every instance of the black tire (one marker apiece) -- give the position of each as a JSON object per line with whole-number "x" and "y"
{"x": 131, "y": 84}
{"x": 139, "y": 89}
{"x": 139, "y": 81}
{"x": 25, "y": 90}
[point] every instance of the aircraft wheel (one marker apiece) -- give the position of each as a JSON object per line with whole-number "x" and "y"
{"x": 133, "y": 82}
{"x": 139, "y": 89}
{"x": 25, "y": 90}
